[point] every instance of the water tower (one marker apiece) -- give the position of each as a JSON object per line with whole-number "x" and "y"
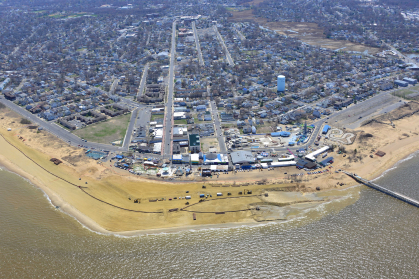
{"x": 280, "y": 83}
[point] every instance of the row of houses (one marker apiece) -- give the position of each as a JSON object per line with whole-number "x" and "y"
{"x": 87, "y": 118}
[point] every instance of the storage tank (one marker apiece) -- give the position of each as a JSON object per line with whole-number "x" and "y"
{"x": 280, "y": 83}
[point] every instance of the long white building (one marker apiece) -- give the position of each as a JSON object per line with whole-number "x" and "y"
{"x": 312, "y": 156}
{"x": 283, "y": 164}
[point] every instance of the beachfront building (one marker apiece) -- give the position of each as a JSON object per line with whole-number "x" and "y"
{"x": 286, "y": 158}
{"x": 327, "y": 161}
{"x": 312, "y": 156}
{"x": 241, "y": 157}
{"x": 283, "y": 164}
{"x": 305, "y": 164}
{"x": 177, "y": 159}
{"x": 194, "y": 143}
{"x": 215, "y": 159}
{"x": 194, "y": 159}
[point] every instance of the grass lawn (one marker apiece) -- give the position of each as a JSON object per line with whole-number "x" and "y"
{"x": 196, "y": 121}
{"x": 405, "y": 92}
{"x": 226, "y": 126}
{"x": 105, "y": 132}
{"x": 181, "y": 121}
{"x": 156, "y": 116}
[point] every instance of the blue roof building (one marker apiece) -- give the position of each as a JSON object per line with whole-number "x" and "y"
{"x": 326, "y": 129}
{"x": 326, "y": 161}
{"x": 253, "y": 130}
{"x": 201, "y": 107}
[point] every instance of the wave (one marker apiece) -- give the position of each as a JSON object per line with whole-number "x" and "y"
{"x": 411, "y": 156}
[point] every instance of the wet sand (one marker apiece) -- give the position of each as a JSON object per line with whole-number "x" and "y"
{"x": 120, "y": 188}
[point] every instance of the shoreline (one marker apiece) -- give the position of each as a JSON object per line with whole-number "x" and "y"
{"x": 89, "y": 224}
{"x": 26, "y": 159}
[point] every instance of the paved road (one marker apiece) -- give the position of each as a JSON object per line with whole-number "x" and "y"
{"x": 407, "y": 59}
{"x": 366, "y": 108}
{"x": 218, "y": 130}
{"x": 70, "y": 137}
{"x": 228, "y": 56}
{"x": 113, "y": 86}
{"x": 143, "y": 118}
{"x": 355, "y": 115}
{"x": 142, "y": 82}
{"x": 131, "y": 124}
{"x": 198, "y": 46}
{"x": 127, "y": 102}
{"x": 168, "y": 120}
{"x": 242, "y": 38}
{"x": 57, "y": 130}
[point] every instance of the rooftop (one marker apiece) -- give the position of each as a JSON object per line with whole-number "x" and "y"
{"x": 194, "y": 140}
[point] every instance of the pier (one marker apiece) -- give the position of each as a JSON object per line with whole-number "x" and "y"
{"x": 383, "y": 190}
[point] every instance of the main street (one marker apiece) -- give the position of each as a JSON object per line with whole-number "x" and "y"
{"x": 198, "y": 46}
{"x": 168, "y": 119}
{"x": 218, "y": 130}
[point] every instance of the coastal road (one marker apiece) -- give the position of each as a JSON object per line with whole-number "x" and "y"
{"x": 142, "y": 82}
{"x": 168, "y": 119}
{"x": 380, "y": 103}
{"x": 218, "y": 130}
{"x": 58, "y": 131}
{"x": 198, "y": 46}
{"x": 227, "y": 53}
{"x": 355, "y": 115}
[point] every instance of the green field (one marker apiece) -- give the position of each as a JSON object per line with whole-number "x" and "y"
{"x": 105, "y": 132}
{"x": 181, "y": 121}
{"x": 156, "y": 116}
{"x": 405, "y": 92}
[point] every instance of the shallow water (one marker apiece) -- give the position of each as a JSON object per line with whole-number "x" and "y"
{"x": 374, "y": 237}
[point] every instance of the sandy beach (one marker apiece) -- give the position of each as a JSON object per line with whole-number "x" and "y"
{"x": 27, "y": 152}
